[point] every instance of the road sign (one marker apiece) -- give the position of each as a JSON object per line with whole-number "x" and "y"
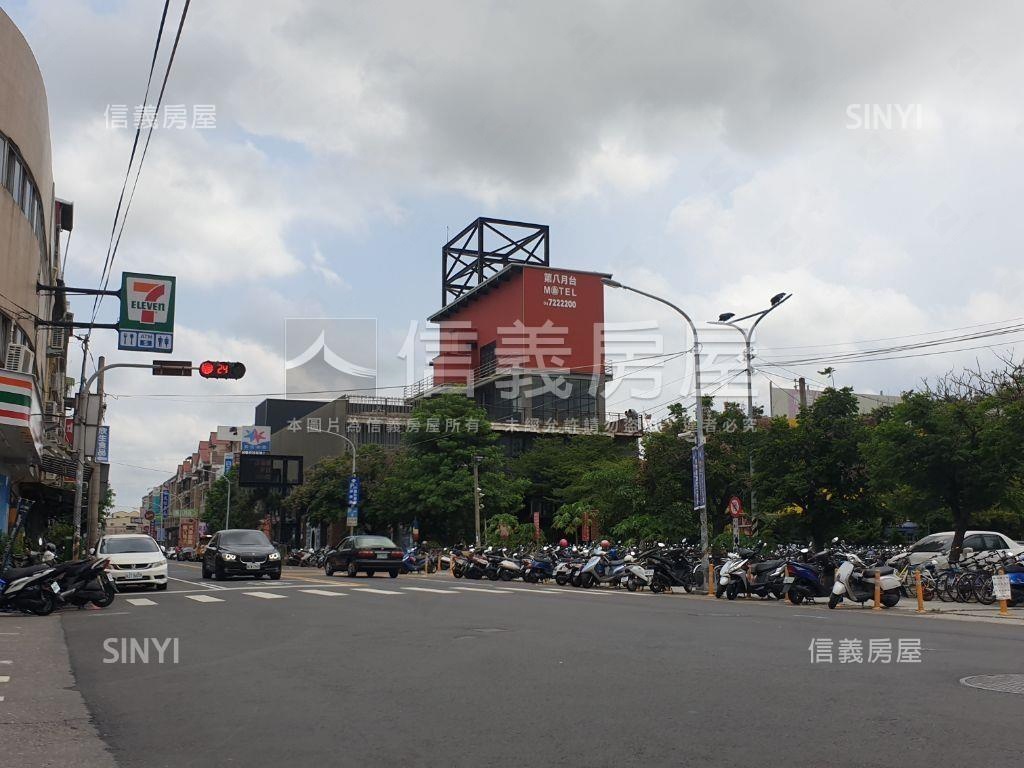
{"x": 699, "y": 490}
{"x": 736, "y": 506}
{"x": 171, "y": 367}
{"x": 145, "y": 341}
{"x": 147, "y": 313}
{"x": 352, "y": 518}
{"x": 229, "y": 462}
{"x": 1001, "y": 587}
{"x": 102, "y": 453}
{"x": 149, "y": 514}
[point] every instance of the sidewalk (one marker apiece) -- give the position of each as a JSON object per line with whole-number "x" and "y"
{"x": 43, "y": 718}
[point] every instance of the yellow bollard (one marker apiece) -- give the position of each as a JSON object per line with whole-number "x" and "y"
{"x": 878, "y": 592}
{"x": 1003, "y": 611}
{"x": 711, "y": 579}
{"x": 920, "y": 592}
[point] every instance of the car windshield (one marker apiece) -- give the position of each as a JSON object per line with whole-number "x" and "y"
{"x": 132, "y": 544}
{"x": 932, "y": 544}
{"x": 375, "y": 541}
{"x": 244, "y": 539}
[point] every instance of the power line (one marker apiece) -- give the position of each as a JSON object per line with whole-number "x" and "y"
{"x": 108, "y": 261}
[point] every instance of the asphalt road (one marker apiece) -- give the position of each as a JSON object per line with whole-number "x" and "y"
{"x": 483, "y": 673}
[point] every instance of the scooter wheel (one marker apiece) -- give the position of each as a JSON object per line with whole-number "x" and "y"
{"x": 719, "y": 591}
{"x": 631, "y": 584}
{"x": 796, "y": 598}
{"x": 48, "y": 604}
{"x": 561, "y": 580}
{"x": 833, "y": 600}
{"x": 108, "y": 596}
{"x": 732, "y": 590}
{"x": 506, "y": 575}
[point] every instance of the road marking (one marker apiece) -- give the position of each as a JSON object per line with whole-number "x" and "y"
{"x": 375, "y": 591}
{"x": 204, "y": 599}
{"x": 323, "y": 592}
{"x": 428, "y": 589}
{"x": 195, "y": 583}
{"x": 6, "y": 662}
{"x": 265, "y": 595}
{"x": 488, "y": 591}
{"x": 139, "y": 601}
{"x": 5, "y": 678}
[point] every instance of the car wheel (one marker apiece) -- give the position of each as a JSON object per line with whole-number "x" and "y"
{"x": 328, "y": 568}
{"x": 275, "y": 576}
{"x": 161, "y": 587}
{"x": 393, "y": 574}
{"x": 206, "y": 572}
{"x": 352, "y": 570}
{"x": 369, "y": 573}
{"x": 218, "y": 572}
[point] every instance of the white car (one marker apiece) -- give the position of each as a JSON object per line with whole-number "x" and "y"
{"x": 135, "y": 560}
{"x": 936, "y": 547}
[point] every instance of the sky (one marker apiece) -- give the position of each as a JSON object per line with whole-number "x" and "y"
{"x": 866, "y": 157}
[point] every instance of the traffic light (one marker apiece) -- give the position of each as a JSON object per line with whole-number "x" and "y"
{"x": 172, "y": 367}
{"x": 219, "y": 369}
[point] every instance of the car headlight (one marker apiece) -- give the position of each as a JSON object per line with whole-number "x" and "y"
{"x": 274, "y": 556}
{"x": 228, "y": 556}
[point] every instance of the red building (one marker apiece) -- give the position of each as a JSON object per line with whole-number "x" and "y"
{"x": 522, "y": 338}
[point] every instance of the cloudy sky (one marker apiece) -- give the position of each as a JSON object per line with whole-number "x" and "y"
{"x": 865, "y": 156}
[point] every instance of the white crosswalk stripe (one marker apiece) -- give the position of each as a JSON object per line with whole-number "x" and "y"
{"x": 204, "y": 599}
{"x": 265, "y": 595}
{"x": 432, "y": 591}
{"x": 375, "y": 591}
{"x": 139, "y": 601}
{"x": 484, "y": 589}
{"x": 323, "y": 592}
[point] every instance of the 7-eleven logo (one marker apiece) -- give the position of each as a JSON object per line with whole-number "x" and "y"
{"x": 145, "y": 301}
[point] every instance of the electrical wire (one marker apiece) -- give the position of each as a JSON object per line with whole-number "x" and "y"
{"x": 108, "y": 261}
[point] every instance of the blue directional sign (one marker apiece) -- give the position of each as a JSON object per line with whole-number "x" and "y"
{"x": 353, "y": 491}
{"x": 699, "y": 490}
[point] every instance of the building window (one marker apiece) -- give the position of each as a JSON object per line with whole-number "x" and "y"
{"x": 16, "y": 178}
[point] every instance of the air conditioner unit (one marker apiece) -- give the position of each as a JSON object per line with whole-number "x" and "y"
{"x": 19, "y": 358}
{"x": 53, "y": 410}
{"x": 58, "y": 337}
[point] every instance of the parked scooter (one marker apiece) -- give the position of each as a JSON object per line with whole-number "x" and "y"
{"x": 31, "y": 590}
{"x": 670, "y": 566}
{"x": 810, "y": 576}
{"x": 856, "y": 580}
{"x": 602, "y": 569}
{"x": 86, "y": 581}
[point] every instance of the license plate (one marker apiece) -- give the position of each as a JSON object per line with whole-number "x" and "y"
{"x": 252, "y": 566}
{"x": 382, "y": 555}
{"x": 55, "y": 587}
{"x": 133, "y": 575}
{"x": 788, "y": 580}
{"x": 648, "y": 572}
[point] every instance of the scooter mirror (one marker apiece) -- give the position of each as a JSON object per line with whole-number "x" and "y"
{"x": 40, "y": 540}
{"x": 835, "y": 540}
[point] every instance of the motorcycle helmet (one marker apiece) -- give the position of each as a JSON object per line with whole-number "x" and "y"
{"x": 563, "y": 543}
{"x": 50, "y": 547}
{"x": 605, "y": 544}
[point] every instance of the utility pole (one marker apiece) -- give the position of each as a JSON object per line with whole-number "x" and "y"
{"x": 476, "y": 496}
{"x": 802, "y": 384}
{"x": 94, "y": 479}
{"x": 227, "y": 516}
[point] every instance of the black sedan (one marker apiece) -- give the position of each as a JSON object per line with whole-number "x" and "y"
{"x": 241, "y": 552}
{"x": 368, "y": 554}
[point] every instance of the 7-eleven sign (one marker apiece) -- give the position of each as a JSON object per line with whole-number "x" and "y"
{"x": 147, "y": 303}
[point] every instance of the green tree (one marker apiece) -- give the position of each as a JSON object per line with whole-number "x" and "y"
{"x": 941, "y": 450}
{"x": 569, "y": 518}
{"x": 248, "y": 505}
{"x": 815, "y": 469}
{"x": 432, "y": 478}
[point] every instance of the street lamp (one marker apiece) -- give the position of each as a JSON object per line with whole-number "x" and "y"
{"x": 699, "y": 451}
{"x": 352, "y": 446}
{"x": 730, "y": 319}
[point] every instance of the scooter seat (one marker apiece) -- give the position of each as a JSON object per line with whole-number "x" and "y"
{"x": 19, "y": 573}
{"x": 879, "y": 570}
{"x": 769, "y": 565}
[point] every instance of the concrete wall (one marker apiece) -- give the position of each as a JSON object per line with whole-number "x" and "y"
{"x": 25, "y": 120}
